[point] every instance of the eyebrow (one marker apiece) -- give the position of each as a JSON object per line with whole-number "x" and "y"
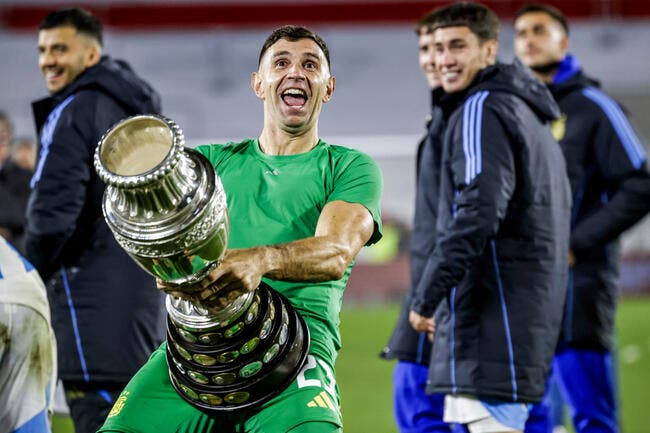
{"x": 451, "y": 41}
{"x": 56, "y": 45}
{"x": 307, "y": 54}
{"x": 315, "y": 56}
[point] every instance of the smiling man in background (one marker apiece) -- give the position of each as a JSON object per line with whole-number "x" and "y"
{"x": 106, "y": 312}
{"x": 607, "y": 167}
{"x": 493, "y": 288}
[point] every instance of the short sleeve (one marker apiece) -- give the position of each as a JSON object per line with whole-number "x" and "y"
{"x": 358, "y": 179}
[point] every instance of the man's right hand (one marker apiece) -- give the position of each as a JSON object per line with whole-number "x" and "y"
{"x": 423, "y": 324}
{"x": 239, "y": 272}
{"x": 572, "y": 258}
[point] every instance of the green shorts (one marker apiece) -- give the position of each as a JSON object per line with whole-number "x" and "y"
{"x": 149, "y": 403}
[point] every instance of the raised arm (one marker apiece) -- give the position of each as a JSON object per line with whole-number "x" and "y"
{"x": 342, "y": 229}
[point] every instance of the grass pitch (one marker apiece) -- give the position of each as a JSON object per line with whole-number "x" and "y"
{"x": 365, "y": 379}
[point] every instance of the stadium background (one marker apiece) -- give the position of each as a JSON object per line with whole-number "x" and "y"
{"x": 199, "y": 56}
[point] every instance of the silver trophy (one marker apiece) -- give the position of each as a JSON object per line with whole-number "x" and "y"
{"x": 167, "y": 208}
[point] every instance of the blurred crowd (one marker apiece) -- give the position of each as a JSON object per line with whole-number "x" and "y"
{"x": 17, "y": 161}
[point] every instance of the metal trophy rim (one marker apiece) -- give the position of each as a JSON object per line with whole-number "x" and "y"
{"x": 152, "y": 175}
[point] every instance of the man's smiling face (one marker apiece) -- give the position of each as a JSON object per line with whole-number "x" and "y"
{"x": 294, "y": 81}
{"x": 460, "y": 55}
{"x": 63, "y": 54}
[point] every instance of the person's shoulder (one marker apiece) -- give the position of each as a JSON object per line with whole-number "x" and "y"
{"x": 75, "y": 113}
{"x": 476, "y": 104}
{"x": 499, "y": 103}
{"x": 487, "y": 114}
{"x": 82, "y": 103}
{"x": 88, "y": 112}
{"x": 223, "y": 150}
{"x": 344, "y": 161}
{"x": 596, "y": 98}
{"x": 343, "y": 153}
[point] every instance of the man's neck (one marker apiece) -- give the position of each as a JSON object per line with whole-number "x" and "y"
{"x": 274, "y": 141}
{"x": 546, "y": 73}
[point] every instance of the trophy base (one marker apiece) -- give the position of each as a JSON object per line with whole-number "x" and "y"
{"x": 243, "y": 364}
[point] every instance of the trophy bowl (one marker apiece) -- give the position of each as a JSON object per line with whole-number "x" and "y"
{"x": 167, "y": 209}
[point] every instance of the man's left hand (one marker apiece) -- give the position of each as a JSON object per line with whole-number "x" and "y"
{"x": 422, "y": 324}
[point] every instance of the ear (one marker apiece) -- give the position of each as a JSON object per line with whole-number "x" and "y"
{"x": 256, "y": 85}
{"x": 564, "y": 44}
{"x": 492, "y": 48}
{"x": 329, "y": 91}
{"x": 94, "y": 54}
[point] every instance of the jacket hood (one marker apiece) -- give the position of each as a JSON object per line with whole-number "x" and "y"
{"x": 570, "y": 77}
{"x": 517, "y": 79}
{"x": 116, "y": 78}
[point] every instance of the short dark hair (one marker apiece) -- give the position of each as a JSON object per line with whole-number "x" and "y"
{"x": 425, "y": 24}
{"x": 481, "y": 20}
{"x": 549, "y": 10}
{"x": 82, "y": 20}
{"x": 294, "y": 33}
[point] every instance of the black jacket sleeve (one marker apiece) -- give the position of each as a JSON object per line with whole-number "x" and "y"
{"x": 621, "y": 160}
{"x": 480, "y": 170}
{"x": 59, "y": 191}
{"x": 14, "y": 192}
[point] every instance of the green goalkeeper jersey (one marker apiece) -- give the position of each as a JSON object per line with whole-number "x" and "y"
{"x": 275, "y": 199}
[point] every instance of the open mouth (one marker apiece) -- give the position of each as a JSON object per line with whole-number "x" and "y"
{"x": 53, "y": 74}
{"x": 451, "y": 75}
{"x": 294, "y": 97}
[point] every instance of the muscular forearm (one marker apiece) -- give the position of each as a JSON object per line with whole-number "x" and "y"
{"x": 312, "y": 259}
{"x": 342, "y": 230}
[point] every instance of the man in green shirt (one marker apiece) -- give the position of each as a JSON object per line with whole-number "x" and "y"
{"x": 300, "y": 210}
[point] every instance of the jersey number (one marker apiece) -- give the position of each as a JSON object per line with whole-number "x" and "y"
{"x": 303, "y": 382}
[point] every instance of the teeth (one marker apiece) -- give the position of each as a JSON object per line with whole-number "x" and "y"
{"x": 298, "y": 92}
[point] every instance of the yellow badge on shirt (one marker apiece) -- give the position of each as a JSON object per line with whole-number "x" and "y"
{"x": 558, "y": 127}
{"x": 119, "y": 404}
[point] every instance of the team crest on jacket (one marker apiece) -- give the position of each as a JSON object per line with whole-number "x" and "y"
{"x": 119, "y": 404}
{"x": 558, "y": 127}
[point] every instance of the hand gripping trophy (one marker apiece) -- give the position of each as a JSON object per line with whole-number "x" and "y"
{"x": 167, "y": 208}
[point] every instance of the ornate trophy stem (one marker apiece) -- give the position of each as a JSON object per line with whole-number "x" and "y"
{"x": 167, "y": 208}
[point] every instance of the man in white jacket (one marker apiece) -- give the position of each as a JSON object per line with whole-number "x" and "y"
{"x": 27, "y": 346}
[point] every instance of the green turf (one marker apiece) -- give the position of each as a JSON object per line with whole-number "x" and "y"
{"x": 365, "y": 379}
{"x": 62, "y": 424}
{"x": 634, "y": 363}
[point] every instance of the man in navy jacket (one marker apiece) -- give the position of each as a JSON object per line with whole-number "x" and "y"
{"x": 497, "y": 276}
{"x": 606, "y": 163}
{"x": 107, "y": 314}
{"x": 415, "y": 411}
